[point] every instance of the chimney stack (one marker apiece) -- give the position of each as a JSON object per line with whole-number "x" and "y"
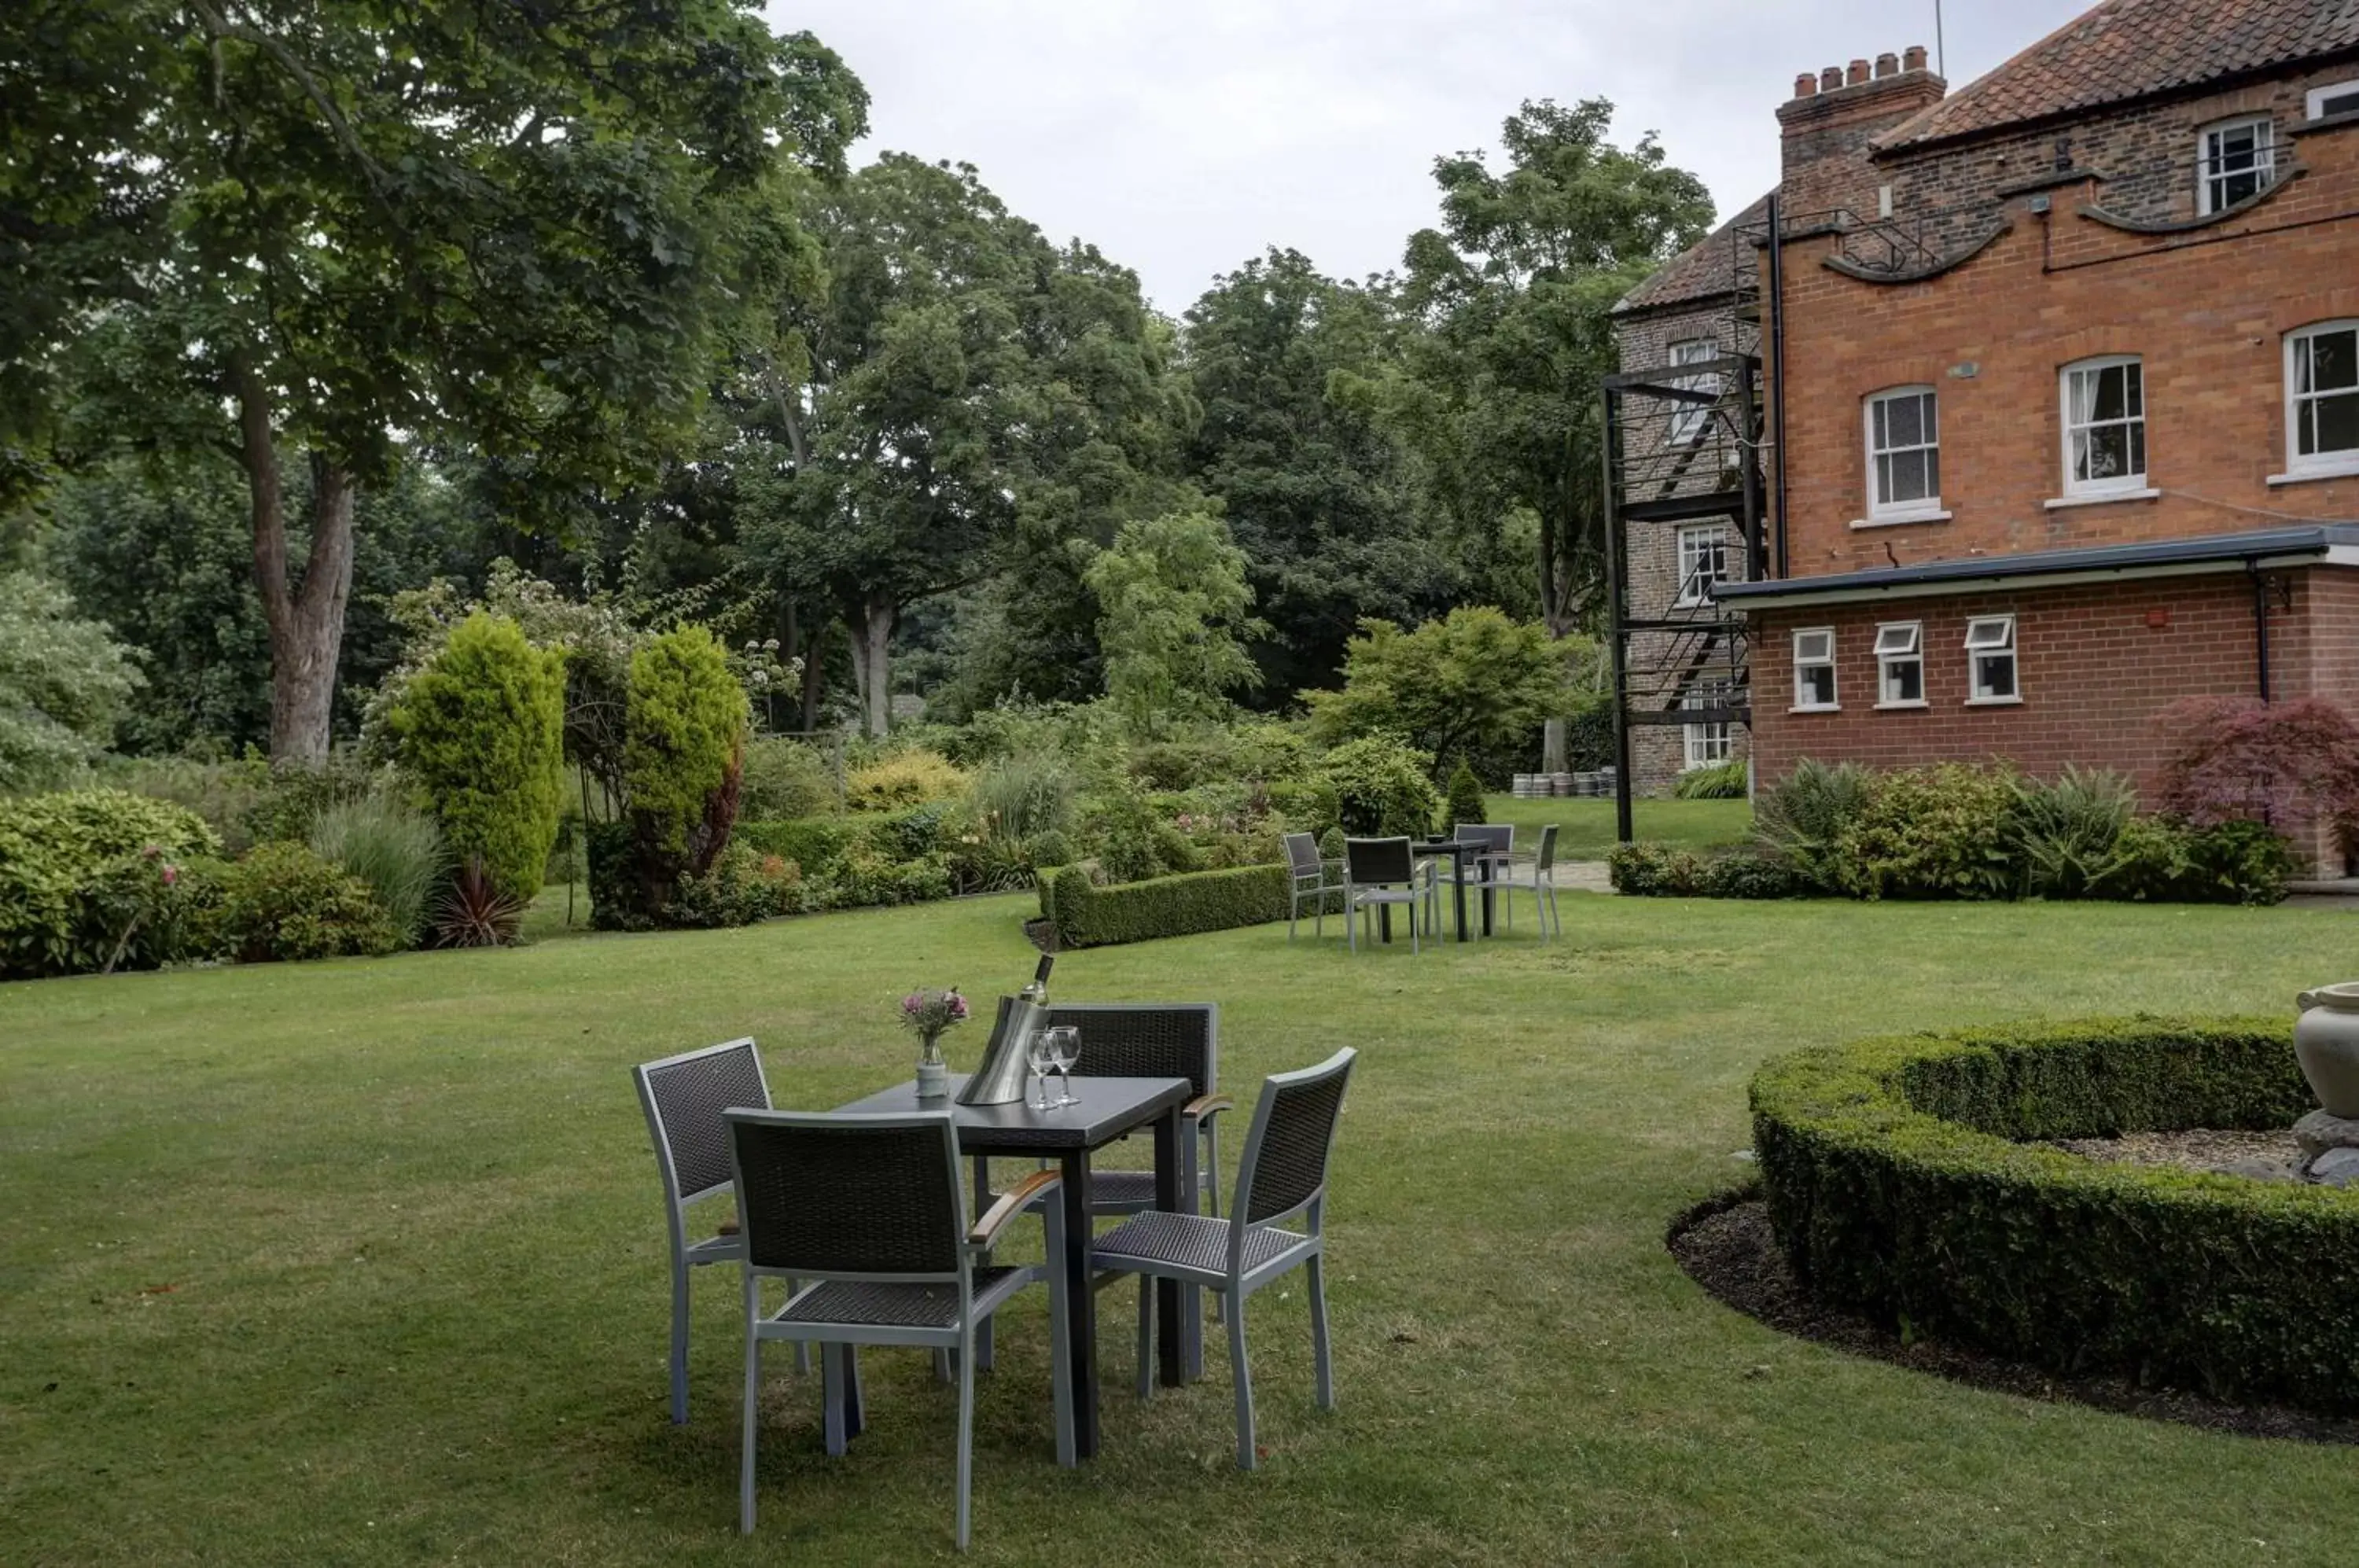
{"x": 1858, "y": 75}
{"x": 1830, "y": 79}
{"x": 1914, "y": 58}
{"x": 1806, "y": 85}
{"x": 1886, "y": 64}
{"x": 1829, "y": 127}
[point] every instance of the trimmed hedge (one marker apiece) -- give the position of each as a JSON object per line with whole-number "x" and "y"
{"x": 1086, "y": 915}
{"x": 1899, "y": 1182}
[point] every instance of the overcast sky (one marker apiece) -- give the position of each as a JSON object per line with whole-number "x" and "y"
{"x": 1182, "y": 138}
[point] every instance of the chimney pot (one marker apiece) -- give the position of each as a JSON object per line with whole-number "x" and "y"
{"x": 1806, "y": 85}
{"x": 1858, "y": 73}
{"x": 1914, "y": 58}
{"x": 1830, "y": 78}
{"x": 1887, "y": 64}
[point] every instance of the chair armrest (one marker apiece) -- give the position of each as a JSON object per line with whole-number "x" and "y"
{"x": 1204, "y": 1107}
{"x": 728, "y": 1227}
{"x": 1013, "y": 1202}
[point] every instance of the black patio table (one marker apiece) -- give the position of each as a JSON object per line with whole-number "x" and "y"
{"x": 1461, "y": 853}
{"x": 1109, "y": 1108}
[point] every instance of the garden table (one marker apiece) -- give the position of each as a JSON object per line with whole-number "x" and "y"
{"x": 1462, "y": 853}
{"x": 1109, "y": 1108}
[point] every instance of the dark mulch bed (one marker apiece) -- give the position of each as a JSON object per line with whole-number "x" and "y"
{"x": 1725, "y": 1244}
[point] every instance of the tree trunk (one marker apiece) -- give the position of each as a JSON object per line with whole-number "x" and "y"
{"x": 1552, "y": 747}
{"x": 814, "y": 654}
{"x": 306, "y": 622}
{"x": 872, "y": 637}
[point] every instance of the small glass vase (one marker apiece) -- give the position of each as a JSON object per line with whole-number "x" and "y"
{"x": 933, "y": 1073}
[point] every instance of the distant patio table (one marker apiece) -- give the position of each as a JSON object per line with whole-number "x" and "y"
{"x": 1463, "y": 853}
{"x": 1109, "y": 1108}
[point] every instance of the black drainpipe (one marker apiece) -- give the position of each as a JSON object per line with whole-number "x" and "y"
{"x": 1777, "y": 358}
{"x": 2260, "y": 623}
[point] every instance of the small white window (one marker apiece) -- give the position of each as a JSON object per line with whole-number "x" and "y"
{"x": 1900, "y": 664}
{"x": 1990, "y": 658}
{"x": 1814, "y": 667}
{"x": 1708, "y": 743}
{"x": 2335, "y": 98}
{"x": 1689, "y": 420}
{"x": 1883, "y": 201}
{"x": 2322, "y": 399}
{"x": 1703, "y": 564}
{"x": 2234, "y": 161}
{"x": 1904, "y": 455}
{"x": 2104, "y": 426}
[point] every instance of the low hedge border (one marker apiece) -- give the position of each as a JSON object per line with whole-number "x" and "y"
{"x": 1086, "y": 915}
{"x": 1899, "y": 1182}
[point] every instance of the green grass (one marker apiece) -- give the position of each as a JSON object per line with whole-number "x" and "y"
{"x": 1586, "y": 826}
{"x": 362, "y": 1262}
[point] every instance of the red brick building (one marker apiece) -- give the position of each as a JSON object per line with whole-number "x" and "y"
{"x": 2063, "y": 380}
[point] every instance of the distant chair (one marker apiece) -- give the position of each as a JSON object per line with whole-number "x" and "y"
{"x": 1535, "y": 875}
{"x": 1309, "y": 873}
{"x": 683, "y": 1096}
{"x": 1480, "y": 869}
{"x": 870, "y": 1208}
{"x": 1284, "y": 1174}
{"x": 1379, "y": 873}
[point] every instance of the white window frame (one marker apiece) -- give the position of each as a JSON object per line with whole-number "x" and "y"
{"x": 2315, "y": 104}
{"x": 2211, "y": 179}
{"x": 1898, "y": 643}
{"x": 1690, "y": 421}
{"x": 1712, "y": 741}
{"x": 1990, "y": 636}
{"x": 1924, "y": 508}
{"x": 1694, "y": 589}
{"x": 1804, "y": 701}
{"x": 2112, "y": 483}
{"x": 2316, "y": 464}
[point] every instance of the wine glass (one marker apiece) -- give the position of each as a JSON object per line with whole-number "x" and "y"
{"x": 1066, "y": 1046}
{"x": 1040, "y": 1055}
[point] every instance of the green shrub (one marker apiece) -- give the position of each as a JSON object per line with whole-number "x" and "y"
{"x": 1090, "y": 915}
{"x": 1901, "y": 1181}
{"x": 226, "y": 794}
{"x": 786, "y": 779}
{"x": 1051, "y": 849}
{"x": 1308, "y": 805}
{"x": 1931, "y": 832}
{"x": 1804, "y": 819}
{"x": 815, "y": 843}
{"x": 84, "y": 884}
{"x": 906, "y": 779}
{"x": 1465, "y": 802}
{"x": 866, "y": 876}
{"x": 1655, "y": 871}
{"x": 1022, "y": 795}
{"x": 1730, "y": 780}
{"x": 1749, "y": 873}
{"x": 1269, "y": 752}
{"x": 741, "y": 886}
{"x": 2065, "y": 836}
{"x": 1383, "y": 788}
{"x": 1330, "y": 845}
{"x": 293, "y": 795}
{"x": 285, "y": 902}
{"x": 684, "y": 736}
{"x": 616, "y": 901}
{"x": 1183, "y": 764}
{"x": 480, "y": 729}
{"x": 2159, "y": 861}
{"x": 396, "y": 851}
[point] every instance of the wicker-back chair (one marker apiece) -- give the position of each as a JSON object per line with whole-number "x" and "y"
{"x": 1284, "y": 1175}
{"x": 869, "y": 1208}
{"x": 1156, "y": 1040}
{"x": 1307, "y": 871}
{"x": 1378, "y": 873}
{"x": 684, "y": 1098}
{"x": 1536, "y": 875}
{"x": 1480, "y": 869}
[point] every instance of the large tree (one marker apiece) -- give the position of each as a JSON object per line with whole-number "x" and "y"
{"x": 1325, "y": 500}
{"x": 331, "y": 229}
{"x": 1516, "y": 289}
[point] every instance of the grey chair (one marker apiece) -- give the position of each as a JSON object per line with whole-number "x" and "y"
{"x": 1284, "y": 1175}
{"x": 1156, "y": 1040}
{"x": 1380, "y": 873}
{"x": 1498, "y": 841}
{"x": 683, "y": 1096}
{"x": 1534, "y": 874}
{"x": 1307, "y": 871}
{"x": 870, "y": 1208}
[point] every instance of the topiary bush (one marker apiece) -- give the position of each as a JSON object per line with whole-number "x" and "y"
{"x": 84, "y": 884}
{"x": 1902, "y": 1179}
{"x": 285, "y": 902}
{"x": 681, "y": 750}
{"x": 1465, "y": 794}
{"x": 480, "y": 729}
{"x": 1383, "y": 788}
{"x": 1086, "y": 915}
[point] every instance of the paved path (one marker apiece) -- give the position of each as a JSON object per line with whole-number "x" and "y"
{"x": 1585, "y": 876}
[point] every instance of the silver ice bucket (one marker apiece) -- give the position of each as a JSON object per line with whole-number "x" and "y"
{"x": 1000, "y": 1080}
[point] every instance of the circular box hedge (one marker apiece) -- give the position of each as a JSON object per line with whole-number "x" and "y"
{"x": 1902, "y": 1179}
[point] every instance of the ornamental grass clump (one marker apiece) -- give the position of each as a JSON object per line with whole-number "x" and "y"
{"x": 398, "y": 852}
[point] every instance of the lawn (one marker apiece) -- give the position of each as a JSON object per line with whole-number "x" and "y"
{"x": 363, "y": 1263}
{"x": 1586, "y": 826}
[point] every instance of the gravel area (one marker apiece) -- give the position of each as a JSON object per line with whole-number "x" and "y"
{"x": 2266, "y": 1156}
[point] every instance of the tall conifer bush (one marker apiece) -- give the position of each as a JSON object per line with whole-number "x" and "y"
{"x": 480, "y": 728}
{"x": 684, "y": 746}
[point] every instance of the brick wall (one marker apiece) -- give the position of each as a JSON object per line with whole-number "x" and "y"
{"x": 2207, "y": 309}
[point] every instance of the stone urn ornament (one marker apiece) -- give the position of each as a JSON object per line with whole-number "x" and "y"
{"x": 2326, "y": 1044}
